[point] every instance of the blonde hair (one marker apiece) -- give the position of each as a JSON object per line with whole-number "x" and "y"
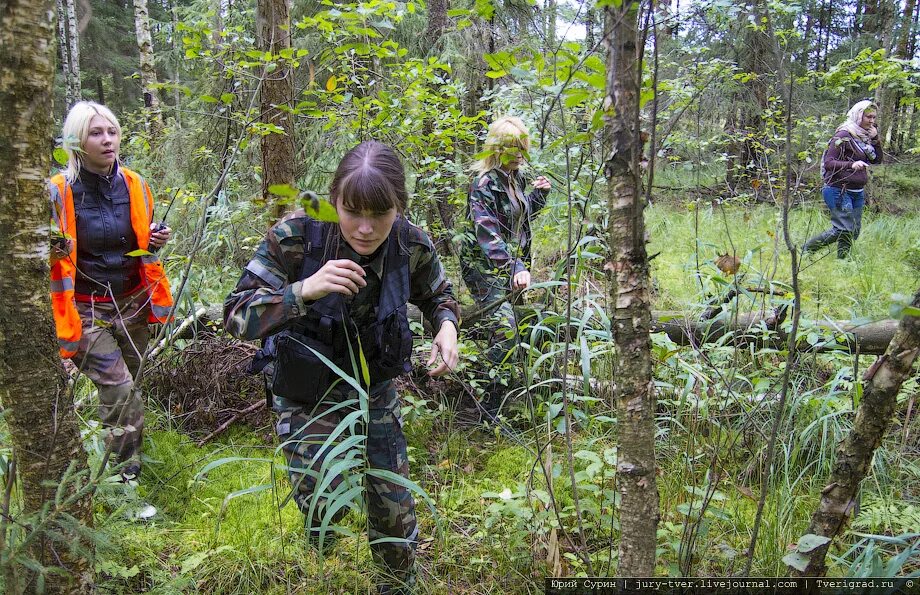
{"x": 76, "y": 131}
{"x": 507, "y": 132}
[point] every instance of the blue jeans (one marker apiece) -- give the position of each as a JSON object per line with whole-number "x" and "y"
{"x": 846, "y": 207}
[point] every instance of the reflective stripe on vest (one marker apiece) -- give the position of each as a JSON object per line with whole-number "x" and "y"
{"x": 64, "y": 272}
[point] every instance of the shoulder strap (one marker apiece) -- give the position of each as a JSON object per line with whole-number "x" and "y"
{"x": 314, "y": 241}
{"x": 395, "y": 291}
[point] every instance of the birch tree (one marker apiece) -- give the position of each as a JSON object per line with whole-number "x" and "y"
{"x": 153, "y": 115}
{"x": 73, "y": 33}
{"x": 64, "y": 50}
{"x": 854, "y": 454}
{"x": 39, "y": 409}
{"x": 628, "y": 297}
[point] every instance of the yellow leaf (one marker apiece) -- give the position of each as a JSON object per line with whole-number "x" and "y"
{"x": 331, "y": 83}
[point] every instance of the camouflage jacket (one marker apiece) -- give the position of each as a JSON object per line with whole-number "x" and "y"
{"x": 268, "y": 295}
{"x": 501, "y": 226}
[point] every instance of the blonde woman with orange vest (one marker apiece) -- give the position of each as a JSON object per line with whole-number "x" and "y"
{"x": 103, "y": 298}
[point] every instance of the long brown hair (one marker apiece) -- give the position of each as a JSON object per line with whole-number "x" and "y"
{"x": 370, "y": 177}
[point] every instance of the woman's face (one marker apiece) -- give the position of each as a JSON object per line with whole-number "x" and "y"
{"x": 100, "y": 149}
{"x": 365, "y": 230}
{"x": 868, "y": 120}
{"x": 512, "y": 158}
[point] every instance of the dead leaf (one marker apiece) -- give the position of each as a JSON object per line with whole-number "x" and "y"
{"x": 728, "y": 264}
{"x": 746, "y": 491}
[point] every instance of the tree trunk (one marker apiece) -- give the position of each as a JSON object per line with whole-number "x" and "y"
{"x": 65, "y": 53}
{"x": 590, "y": 24}
{"x": 758, "y": 58}
{"x": 40, "y": 413}
{"x": 855, "y": 452}
{"x": 74, "y": 34}
{"x": 890, "y": 107}
{"x": 550, "y": 41}
{"x": 440, "y": 213}
{"x": 628, "y": 295}
{"x": 806, "y": 36}
{"x": 177, "y": 64}
{"x": 152, "y": 112}
{"x": 274, "y": 29}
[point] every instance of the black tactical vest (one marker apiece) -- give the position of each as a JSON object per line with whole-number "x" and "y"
{"x": 327, "y": 329}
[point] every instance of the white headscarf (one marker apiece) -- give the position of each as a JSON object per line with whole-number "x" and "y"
{"x": 854, "y": 119}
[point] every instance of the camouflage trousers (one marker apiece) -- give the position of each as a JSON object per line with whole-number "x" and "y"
{"x": 390, "y": 507}
{"x": 499, "y": 326}
{"x": 115, "y": 335}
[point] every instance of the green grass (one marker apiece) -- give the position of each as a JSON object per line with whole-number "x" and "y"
{"x": 860, "y": 286}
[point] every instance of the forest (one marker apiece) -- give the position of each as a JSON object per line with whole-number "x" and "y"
{"x": 697, "y": 379}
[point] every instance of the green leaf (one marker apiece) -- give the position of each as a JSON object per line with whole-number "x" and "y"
{"x": 365, "y": 369}
{"x": 810, "y": 541}
{"x": 227, "y": 98}
{"x": 139, "y": 252}
{"x": 208, "y": 99}
{"x": 319, "y": 209}
{"x": 910, "y": 311}
{"x": 60, "y": 155}
{"x": 285, "y": 190}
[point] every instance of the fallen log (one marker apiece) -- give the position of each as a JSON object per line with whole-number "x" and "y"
{"x": 869, "y": 338}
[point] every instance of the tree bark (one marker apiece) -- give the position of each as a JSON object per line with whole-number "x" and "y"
{"x": 40, "y": 413}
{"x": 890, "y": 108}
{"x": 855, "y": 452}
{"x": 65, "y": 53}
{"x": 628, "y": 294}
{"x": 74, "y": 34}
{"x": 869, "y": 339}
{"x": 154, "y": 116}
{"x": 550, "y": 41}
{"x": 274, "y": 30}
{"x": 757, "y": 57}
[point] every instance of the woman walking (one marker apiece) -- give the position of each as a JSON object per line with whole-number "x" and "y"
{"x": 845, "y": 172}
{"x": 495, "y": 257}
{"x": 103, "y": 297}
{"x": 340, "y": 290}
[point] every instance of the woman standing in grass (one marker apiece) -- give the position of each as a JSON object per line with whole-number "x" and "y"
{"x": 495, "y": 258}
{"x": 845, "y": 171}
{"x": 102, "y": 296}
{"x": 340, "y": 290}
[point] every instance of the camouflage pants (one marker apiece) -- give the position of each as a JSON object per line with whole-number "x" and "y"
{"x": 390, "y": 507}
{"x": 499, "y": 326}
{"x": 115, "y": 335}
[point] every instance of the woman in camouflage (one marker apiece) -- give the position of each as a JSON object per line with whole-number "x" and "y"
{"x": 340, "y": 290}
{"x": 495, "y": 257}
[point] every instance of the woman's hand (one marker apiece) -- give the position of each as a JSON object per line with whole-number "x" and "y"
{"x": 336, "y": 276}
{"x": 60, "y": 249}
{"x": 445, "y": 346}
{"x": 542, "y": 183}
{"x": 159, "y": 235}
{"x": 521, "y": 280}
{"x": 858, "y": 165}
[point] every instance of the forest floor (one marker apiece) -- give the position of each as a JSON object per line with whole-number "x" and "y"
{"x": 219, "y": 528}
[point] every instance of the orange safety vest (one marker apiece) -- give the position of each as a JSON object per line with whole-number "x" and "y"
{"x": 64, "y": 272}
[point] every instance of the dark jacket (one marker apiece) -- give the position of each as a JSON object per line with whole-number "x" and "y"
{"x": 842, "y": 151}
{"x": 103, "y": 215}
